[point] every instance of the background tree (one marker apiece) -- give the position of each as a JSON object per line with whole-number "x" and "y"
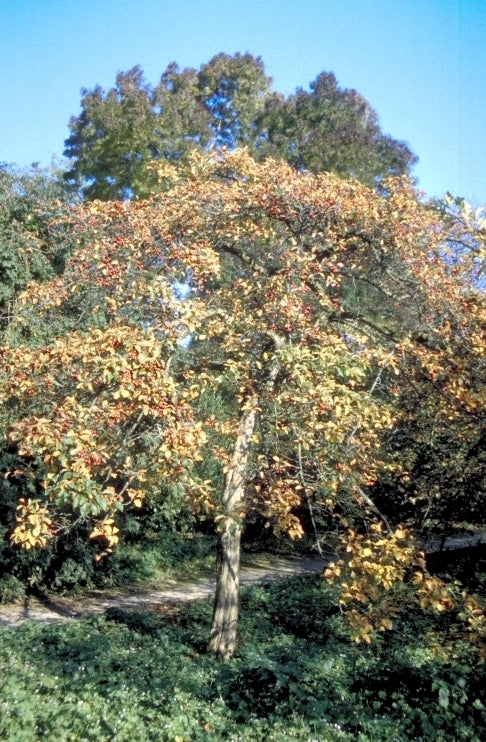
{"x": 182, "y": 120}
{"x": 120, "y": 132}
{"x": 113, "y": 139}
{"x": 226, "y": 103}
{"x": 330, "y": 129}
{"x": 233, "y": 89}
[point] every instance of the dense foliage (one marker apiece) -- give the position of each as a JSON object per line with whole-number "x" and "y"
{"x": 255, "y": 339}
{"x": 295, "y": 677}
{"x": 261, "y": 327}
{"x": 30, "y": 250}
{"x": 226, "y": 103}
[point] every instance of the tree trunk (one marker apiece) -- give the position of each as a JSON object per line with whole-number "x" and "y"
{"x": 222, "y": 641}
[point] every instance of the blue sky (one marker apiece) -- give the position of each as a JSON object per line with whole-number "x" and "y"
{"x": 420, "y": 63}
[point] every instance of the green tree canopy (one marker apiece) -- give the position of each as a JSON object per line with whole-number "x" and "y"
{"x": 29, "y": 246}
{"x": 333, "y": 130}
{"x": 113, "y": 139}
{"x": 226, "y": 103}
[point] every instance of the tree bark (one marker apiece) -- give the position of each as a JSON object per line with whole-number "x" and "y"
{"x": 222, "y": 641}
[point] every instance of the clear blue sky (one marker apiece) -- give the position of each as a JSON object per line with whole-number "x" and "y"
{"x": 420, "y": 63}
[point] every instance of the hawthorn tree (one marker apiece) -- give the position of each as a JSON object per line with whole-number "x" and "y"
{"x": 306, "y": 299}
{"x": 440, "y": 428}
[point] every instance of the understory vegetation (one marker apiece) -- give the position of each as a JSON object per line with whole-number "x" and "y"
{"x": 72, "y": 568}
{"x": 134, "y": 674}
{"x": 153, "y": 548}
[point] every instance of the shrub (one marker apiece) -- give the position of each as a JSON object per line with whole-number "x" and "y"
{"x": 11, "y": 589}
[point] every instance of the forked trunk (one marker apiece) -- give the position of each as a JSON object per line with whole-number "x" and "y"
{"x": 222, "y": 641}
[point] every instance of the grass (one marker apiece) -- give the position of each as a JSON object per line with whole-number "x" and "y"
{"x": 295, "y": 678}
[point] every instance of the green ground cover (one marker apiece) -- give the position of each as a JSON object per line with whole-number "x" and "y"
{"x": 134, "y": 675}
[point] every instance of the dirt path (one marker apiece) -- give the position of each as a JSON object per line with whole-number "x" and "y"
{"x": 59, "y": 609}
{"x": 263, "y": 569}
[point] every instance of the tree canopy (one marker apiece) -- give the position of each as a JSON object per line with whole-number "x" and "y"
{"x": 29, "y": 248}
{"x": 228, "y": 103}
{"x": 337, "y": 321}
{"x": 331, "y": 129}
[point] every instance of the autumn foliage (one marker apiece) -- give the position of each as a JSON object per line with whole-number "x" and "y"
{"x": 330, "y": 313}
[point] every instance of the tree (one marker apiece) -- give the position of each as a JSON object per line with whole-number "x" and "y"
{"x": 182, "y": 121}
{"x": 119, "y": 133}
{"x": 333, "y": 130}
{"x": 239, "y": 276}
{"x": 113, "y": 139}
{"x": 440, "y": 434}
{"x": 29, "y": 249}
{"x": 234, "y": 90}
{"x": 227, "y": 103}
